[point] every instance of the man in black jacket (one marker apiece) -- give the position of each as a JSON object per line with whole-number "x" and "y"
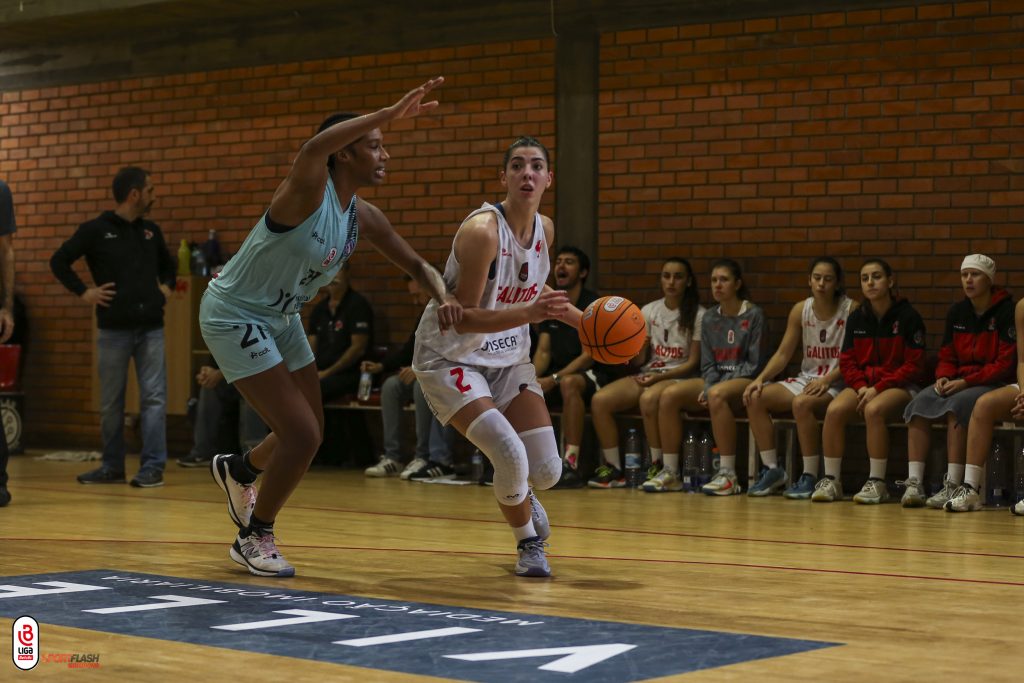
{"x": 133, "y": 275}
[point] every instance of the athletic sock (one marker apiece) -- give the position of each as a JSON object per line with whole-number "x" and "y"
{"x": 572, "y": 455}
{"x": 728, "y": 463}
{"x": 956, "y": 473}
{"x": 878, "y": 468}
{"x": 770, "y": 458}
{"x": 972, "y": 476}
{"x": 811, "y": 465}
{"x": 833, "y": 466}
{"x": 672, "y": 462}
{"x": 916, "y": 470}
{"x": 612, "y": 457}
{"x": 525, "y": 532}
{"x": 242, "y": 470}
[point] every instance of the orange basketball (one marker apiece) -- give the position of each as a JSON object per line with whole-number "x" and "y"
{"x": 612, "y": 330}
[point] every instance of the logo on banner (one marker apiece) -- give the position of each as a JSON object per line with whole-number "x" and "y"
{"x": 25, "y": 643}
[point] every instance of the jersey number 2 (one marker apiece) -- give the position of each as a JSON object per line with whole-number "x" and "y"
{"x": 459, "y": 375}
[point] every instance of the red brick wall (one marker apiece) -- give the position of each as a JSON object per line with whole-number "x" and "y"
{"x": 893, "y": 132}
{"x": 217, "y": 144}
{"x": 896, "y": 133}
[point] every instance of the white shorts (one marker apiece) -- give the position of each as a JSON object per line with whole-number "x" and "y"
{"x": 798, "y": 383}
{"x": 452, "y": 386}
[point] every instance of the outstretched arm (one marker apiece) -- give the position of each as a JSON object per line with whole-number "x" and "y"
{"x": 301, "y": 192}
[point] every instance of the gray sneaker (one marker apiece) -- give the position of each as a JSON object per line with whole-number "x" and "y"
{"x": 259, "y": 554}
{"x": 241, "y": 497}
{"x": 772, "y": 481}
{"x": 540, "y": 518}
{"x": 827, "y": 490}
{"x": 873, "y": 492}
{"x": 1018, "y": 508}
{"x": 913, "y": 496}
{"x": 965, "y": 499}
{"x": 533, "y": 560}
{"x": 937, "y": 501}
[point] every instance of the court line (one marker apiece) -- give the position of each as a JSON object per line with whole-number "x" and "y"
{"x": 587, "y": 558}
{"x": 674, "y": 534}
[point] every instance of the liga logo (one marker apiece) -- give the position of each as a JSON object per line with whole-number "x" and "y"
{"x": 25, "y": 643}
{"x": 613, "y": 303}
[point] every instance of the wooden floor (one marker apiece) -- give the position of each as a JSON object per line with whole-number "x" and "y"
{"x": 909, "y": 594}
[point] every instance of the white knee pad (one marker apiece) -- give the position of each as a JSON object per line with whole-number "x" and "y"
{"x": 497, "y": 439}
{"x": 542, "y": 456}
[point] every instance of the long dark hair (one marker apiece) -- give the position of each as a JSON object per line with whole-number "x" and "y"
{"x": 737, "y": 273}
{"x": 690, "y": 301}
{"x": 887, "y": 269}
{"x": 837, "y": 269}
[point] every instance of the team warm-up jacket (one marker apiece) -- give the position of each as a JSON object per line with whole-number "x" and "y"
{"x": 730, "y": 346}
{"x": 979, "y": 349}
{"x": 884, "y": 353}
{"x": 131, "y": 255}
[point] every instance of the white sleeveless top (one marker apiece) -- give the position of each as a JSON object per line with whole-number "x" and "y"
{"x": 823, "y": 339}
{"x": 516, "y": 277}
{"x": 670, "y": 346}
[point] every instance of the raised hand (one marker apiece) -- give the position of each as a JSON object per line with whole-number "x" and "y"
{"x": 412, "y": 103}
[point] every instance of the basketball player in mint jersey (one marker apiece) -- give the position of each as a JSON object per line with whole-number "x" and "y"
{"x": 250, "y": 314}
{"x": 481, "y": 380}
{"x": 819, "y": 323}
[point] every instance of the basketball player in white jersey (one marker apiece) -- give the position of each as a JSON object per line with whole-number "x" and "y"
{"x": 820, "y": 321}
{"x": 481, "y": 380}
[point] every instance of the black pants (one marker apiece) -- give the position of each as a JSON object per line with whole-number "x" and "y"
{"x": 3, "y": 457}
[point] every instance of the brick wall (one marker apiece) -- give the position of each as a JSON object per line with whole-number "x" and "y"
{"x": 896, "y": 133}
{"x": 217, "y": 145}
{"x": 892, "y": 132}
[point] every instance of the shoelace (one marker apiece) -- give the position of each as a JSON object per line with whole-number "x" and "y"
{"x": 908, "y": 482}
{"x": 825, "y": 482}
{"x": 959, "y": 492}
{"x": 604, "y": 471}
{"x": 267, "y": 546}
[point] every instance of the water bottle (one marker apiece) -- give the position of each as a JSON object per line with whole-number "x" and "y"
{"x": 691, "y": 463}
{"x": 1019, "y": 479}
{"x": 707, "y": 451}
{"x": 184, "y": 255}
{"x": 365, "y": 386}
{"x": 996, "y": 492}
{"x": 476, "y": 471}
{"x": 198, "y": 264}
{"x": 211, "y": 250}
{"x": 634, "y": 459}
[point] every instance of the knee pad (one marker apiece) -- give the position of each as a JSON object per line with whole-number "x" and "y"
{"x": 497, "y": 439}
{"x": 542, "y": 456}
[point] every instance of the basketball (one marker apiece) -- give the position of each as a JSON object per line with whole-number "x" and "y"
{"x": 612, "y": 330}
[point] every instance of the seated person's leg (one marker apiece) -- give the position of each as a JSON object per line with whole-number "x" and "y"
{"x": 206, "y": 431}
{"x": 394, "y": 394}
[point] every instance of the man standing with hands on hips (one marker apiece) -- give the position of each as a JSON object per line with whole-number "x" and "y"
{"x": 133, "y": 275}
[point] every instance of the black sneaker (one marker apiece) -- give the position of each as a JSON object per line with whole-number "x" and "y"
{"x": 5, "y": 496}
{"x": 193, "y": 460}
{"x": 147, "y": 479}
{"x": 570, "y": 479}
{"x": 433, "y": 470}
{"x": 101, "y": 475}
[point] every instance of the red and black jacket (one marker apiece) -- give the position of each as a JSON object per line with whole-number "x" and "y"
{"x": 884, "y": 353}
{"x": 979, "y": 349}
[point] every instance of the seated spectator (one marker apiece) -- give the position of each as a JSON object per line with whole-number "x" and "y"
{"x": 882, "y": 362}
{"x": 213, "y": 431}
{"x": 978, "y": 355}
{"x": 568, "y": 376}
{"x": 340, "y": 333}
{"x": 432, "y": 458}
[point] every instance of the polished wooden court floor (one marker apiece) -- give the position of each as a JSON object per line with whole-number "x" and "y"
{"x": 916, "y": 595}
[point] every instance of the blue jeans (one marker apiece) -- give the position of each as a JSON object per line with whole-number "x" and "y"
{"x": 214, "y": 404}
{"x": 433, "y": 441}
{"x": 115, "y": 348}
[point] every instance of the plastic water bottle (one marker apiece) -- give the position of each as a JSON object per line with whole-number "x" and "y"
{"x": 198, "y": 263}
{"x": 691, "y": 463}
{"x": 996, "y": 487}
{"x": 476, "y": 472}
{"x": 1019, "y": 478}
{"x": 211, "y": 250}
{"x": 707, "y": 466}
{"x": 634, "y": 459}
{"x": 365, "y": 386}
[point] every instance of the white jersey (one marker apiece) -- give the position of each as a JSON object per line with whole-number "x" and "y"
{"x": 670, "y": 346}
{"x": 823, "y": 339}
{"x": 517, "y": 275}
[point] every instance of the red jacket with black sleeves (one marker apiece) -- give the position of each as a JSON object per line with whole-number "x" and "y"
{"x": 884, "y": 353}
{"x": 979, "y": 349}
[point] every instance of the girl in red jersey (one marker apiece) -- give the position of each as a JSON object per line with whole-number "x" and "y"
{"x": 882, "y": 362}
{"x": 977, "y": 356}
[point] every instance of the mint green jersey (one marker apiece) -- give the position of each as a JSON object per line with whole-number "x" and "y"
{"x": 279, "y": 272}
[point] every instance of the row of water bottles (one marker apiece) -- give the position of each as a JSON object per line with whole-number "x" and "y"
{"x": 699, "y": 459}
{"x": 1004, "y": 476}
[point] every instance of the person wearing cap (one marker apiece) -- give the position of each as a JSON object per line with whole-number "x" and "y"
{"x": 977, "y": 355}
